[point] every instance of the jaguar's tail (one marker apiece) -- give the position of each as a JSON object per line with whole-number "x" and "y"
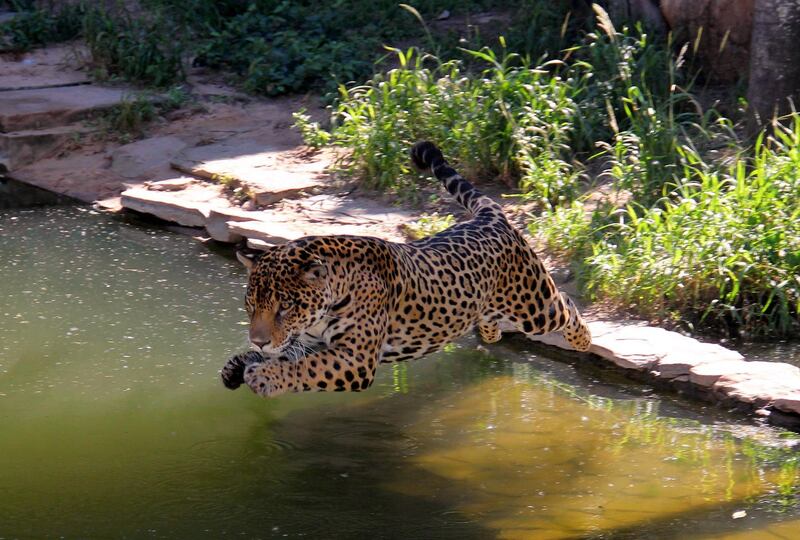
{"x": 427, "y": 155}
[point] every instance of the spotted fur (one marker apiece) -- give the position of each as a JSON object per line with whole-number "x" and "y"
{"x": 325, "y": 311}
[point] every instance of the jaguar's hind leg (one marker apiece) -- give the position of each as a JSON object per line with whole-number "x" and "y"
{"x": 559, "y": 314}
{"x": 490, "y": 331}
{"x": 537, "y": 307}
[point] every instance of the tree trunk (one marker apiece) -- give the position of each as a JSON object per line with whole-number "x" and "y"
{"x": 774, "y": 61}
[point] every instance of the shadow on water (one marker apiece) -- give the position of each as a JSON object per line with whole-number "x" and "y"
{"x": 336, "y": 475}
{"x": 14, "y": 194}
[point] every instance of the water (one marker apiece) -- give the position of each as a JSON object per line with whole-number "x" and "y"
{"x": 15, "y": 194}
{"x": 114, "y": 424}
{"x": 774, "y": 351}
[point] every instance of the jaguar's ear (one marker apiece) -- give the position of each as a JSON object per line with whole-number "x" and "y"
{"x": 314, "y": 271}
{"x": 248, "y": 259}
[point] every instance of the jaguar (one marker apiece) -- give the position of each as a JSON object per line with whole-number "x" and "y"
{"x": 326, "y": 311}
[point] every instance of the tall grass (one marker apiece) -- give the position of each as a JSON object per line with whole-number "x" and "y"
{"x": 710, "y": 236}
{"x": 37, "y": 27}
{"x": 134, "y": 49}
{"x": 507, "y": 122}
{"x": 722, "y": 249}
{"x": 500, "y": 116}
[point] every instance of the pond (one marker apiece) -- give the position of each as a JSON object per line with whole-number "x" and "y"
{"x": 114, "y": 422}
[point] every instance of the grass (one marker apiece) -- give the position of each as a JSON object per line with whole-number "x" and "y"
{"x": 272, "y": 47}
{"x": 234, "y": 188}
{"x": 722, "y": 249}
{"x": 508, "y": 122}
{"x": 280, "y": 47}
{"x": 34, "y": 28}
{"x": 498, "y": 116}
{"x": 710, "y": 238}
{"x": 132, "y": 49}
{"x": 427, "y": 225}
{"x": 139, "y": 50}
{"x": 130, "y": 116}
{"x": 128, "y": 120}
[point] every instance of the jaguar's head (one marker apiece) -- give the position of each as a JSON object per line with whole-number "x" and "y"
{"x": 287, "y": 293}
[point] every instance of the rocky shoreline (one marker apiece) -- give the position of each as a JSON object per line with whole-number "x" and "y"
{"x": 234, "y": 170}
{"x": 704, "y": 371}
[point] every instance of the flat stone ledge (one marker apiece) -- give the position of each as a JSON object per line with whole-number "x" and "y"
{"x": 196, "y": 203}
{"x": 252, "y": 164}
{"x": 165, "y": 206}
{"x": 139, "y": 159}
{"x": 219, "y": 220}
{"x": 30, "y": 145}
{"x": 711, "y": 371}
{"x": 52, "y": 107}
{"x": 790, "y": 403}
{"x": 46, "y": 67}
{"x": 171, "y": 184}
{"x": 252, "y": 243}
{"x": 266, "y": 231}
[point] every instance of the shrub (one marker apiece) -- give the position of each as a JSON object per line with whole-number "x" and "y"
{"x": 35, "y": 28}
{"x": 509, "y": 122}
{"x": 280, "y": 47}
{"x": 722, "y": 248}
{"x": 133, "y": 49}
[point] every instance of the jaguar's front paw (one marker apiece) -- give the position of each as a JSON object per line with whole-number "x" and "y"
{"x": 232, "y": 372}
{"x": 267, "y": 379}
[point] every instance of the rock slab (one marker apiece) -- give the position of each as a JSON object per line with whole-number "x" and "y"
{"x": 187, "y": 212}
{"x": 718, "y": 373}
{"x": 253, "y": 164}
{"x": 54, "y": 65}
{"x": 27, "y": 146}
{"x": 220, "y": 220}
{"x": 52, "y": 107}
{"x": 140, "y": 158}
{"x": 269, "y": 232}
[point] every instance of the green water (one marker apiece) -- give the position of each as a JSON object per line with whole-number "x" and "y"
{"x": 113, "y": 423}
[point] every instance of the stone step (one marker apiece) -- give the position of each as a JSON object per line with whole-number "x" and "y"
{"x": 52, "y": 107}
{"x": 257, "y": 166}
{"x": 219, "y": 219}
{"x": 254, "y": 243}
{"x": 46, "y": 67}
{"x": 19, "y": 148}
{"x": 82, "y": 176}
{"x": 270, "y": 232}
{"x": 183, "y": 210}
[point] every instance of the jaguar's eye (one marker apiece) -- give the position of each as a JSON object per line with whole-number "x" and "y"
{"x": 285, "y": 307}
